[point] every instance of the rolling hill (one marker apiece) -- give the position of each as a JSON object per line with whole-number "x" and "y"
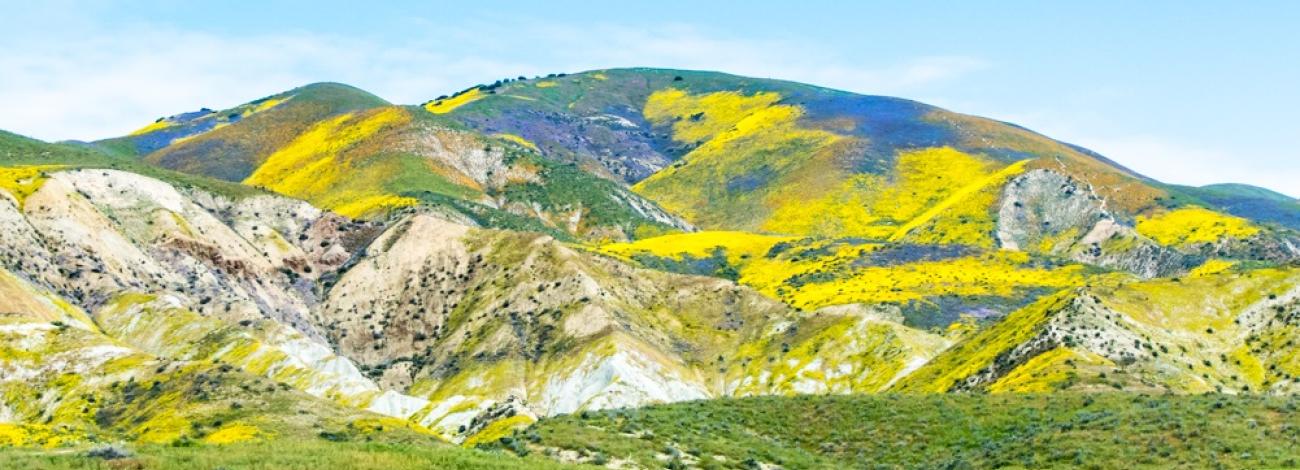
{"x": 521, "y": 251}
{"x": 347, "y": 151}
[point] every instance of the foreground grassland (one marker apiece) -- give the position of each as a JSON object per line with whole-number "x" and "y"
{"x": 1102, "y": 431}
{"x": 279, "y": 454}
{"x": 937, "y": 431}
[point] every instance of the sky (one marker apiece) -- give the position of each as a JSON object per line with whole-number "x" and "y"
{"x": 1186, "y": 92}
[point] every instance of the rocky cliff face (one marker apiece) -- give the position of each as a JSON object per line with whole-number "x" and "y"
{"x": 90, "y": 234}
{"x": 1047, "y": 212}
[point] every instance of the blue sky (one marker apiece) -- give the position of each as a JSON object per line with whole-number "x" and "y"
{"x": 1186, "y": 92}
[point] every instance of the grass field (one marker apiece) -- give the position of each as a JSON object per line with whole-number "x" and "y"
{"x": 937, "y": 431}
{"x": 1101, "y": 431}
{"x": 280, "y": 454}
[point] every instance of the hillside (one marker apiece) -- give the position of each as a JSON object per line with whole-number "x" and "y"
{"x": 933, "y": 431}
{"x": 421, "y": 319}
{"x": 321, "y": 265}
{"x": 208, "y": 142}
{"x": 746, "y": 142}
{"x": 856, "y": 190}
{"x": 1249, "y": 202}
{"x": 347, "y": 151}
{"x": 64, "y": 379}
{"x": 1228, "y": 331}
{"x": 34, "y": 155}
{"x": 732, "y": 147}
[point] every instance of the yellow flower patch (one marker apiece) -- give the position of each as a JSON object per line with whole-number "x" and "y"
{"x": 23, "y": 181}
{"x": 519, "y": 140}
{"x": 1193, "y": 225}
{"x": 997, "y": 274}
{"x": 265, "y": 105}
{"x": 450, "y": 104}
{"x": 700, "y": 117}
{"x": 232, "y": 433}
{"x": 832, "y": 276}
{"x": 1211, "y": 267}
{"x": 736, "y": 245}
{"x": 316, "y": 167}
{"x": 934, "y": 195}
{"x": 374, "y": 205}
{"x": 152, "y": 127}
{"x": 498, "y": 429}
{"x": 1046, "y": 372}
{"x": 753, "y": 158}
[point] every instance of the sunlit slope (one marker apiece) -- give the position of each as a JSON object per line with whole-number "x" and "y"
{"x": 91, "y": 234}
{"x": 349, "y": 152}
{"x": 66, "y": 385}
{"x": 516, "y": 325}
{"x": 731, "y": 152}
{"x": 229, "y": 144}
{"x": 931, "y": 285}
{"x": 1232, "y": 331}
{"x": 64, "y": 382}
{"x": 1247, "y": 201}
{"x": 369, "y": 163}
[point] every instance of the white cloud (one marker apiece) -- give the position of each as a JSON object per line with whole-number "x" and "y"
{"x": 686, "y": 47}
{"x": 108, "y": 83}
{"x": 1165, "y": 158}
{"x": 1172, "y": 161}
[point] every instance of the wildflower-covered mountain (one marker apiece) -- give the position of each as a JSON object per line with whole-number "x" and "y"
{"x": 350, "y": 152}
{"x": 743, "y": 145}
{"x": 460, "y": 269}
{"x": 721, "y": 151}
{"x": 821, "y": 197}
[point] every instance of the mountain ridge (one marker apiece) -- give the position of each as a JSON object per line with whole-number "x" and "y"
{"x": 789, "y": 82}
{"x": 462, "y": 269}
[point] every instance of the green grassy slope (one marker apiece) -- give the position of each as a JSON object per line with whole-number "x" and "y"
{"x": 938, "y": 431}
{"x": 304, "y": 454}
{"x": 17, "y": 150}
{"x": 1246, "y": 201}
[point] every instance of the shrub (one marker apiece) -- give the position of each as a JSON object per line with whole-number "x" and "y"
{"x": 109, "y": 452}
